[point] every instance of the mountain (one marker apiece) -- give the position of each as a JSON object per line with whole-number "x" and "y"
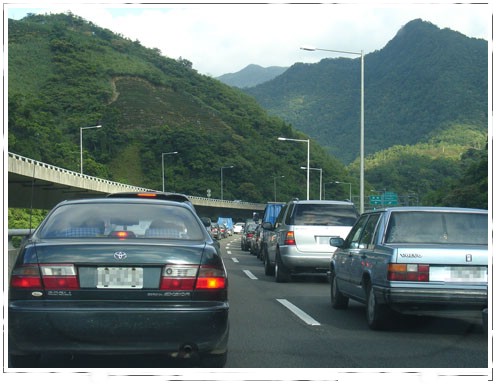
{"x": 251, "y": 76}
{"x": 65, "y": 73}
{"x": 424, "y": 81}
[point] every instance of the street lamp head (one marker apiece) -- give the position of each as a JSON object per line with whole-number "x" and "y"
{"x": 308, "y": 49}
{"x": 281, "y": 138}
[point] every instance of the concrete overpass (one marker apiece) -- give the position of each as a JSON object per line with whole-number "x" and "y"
{"x": 32, "y": 183}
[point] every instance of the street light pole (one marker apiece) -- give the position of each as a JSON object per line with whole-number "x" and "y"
{"x": 317, "y": 169}
{"x": 362, "y": 119}
{"x": 341, "y": 182}
{"x": 222, "y": 181}
{"x": 163, "y": 176}
{"x": 81, "y": 143}
{"x": 308, "y": 161}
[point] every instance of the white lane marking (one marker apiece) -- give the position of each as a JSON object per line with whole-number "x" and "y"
{"x": 229, "y": 252}
{"x": 298, "y": 312}
{"x": 235, "y": 260}
{"x": 250, "y": 275}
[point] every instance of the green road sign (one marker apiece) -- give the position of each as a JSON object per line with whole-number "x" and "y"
{"x": 375, "y": 199}
{"x": 388, "y": 198}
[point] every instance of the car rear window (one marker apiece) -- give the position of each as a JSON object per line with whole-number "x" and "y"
{"x": 323, "y": 214}
{"x": 134, "y": 220}
{"x": 437, "y": 228}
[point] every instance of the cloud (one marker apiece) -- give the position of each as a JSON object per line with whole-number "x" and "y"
{"x": 224, "y": 38}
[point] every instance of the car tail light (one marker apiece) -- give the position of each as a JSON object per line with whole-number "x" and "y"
{"x": 211, "y": 277}
{"x": 189, "y": 277}
{"x": 408, "y": 272}
{"x": 61, "y": 276}
{"x": 45, "y": 276}
{"x": 178, "y": 277}
{"x": 290, "y": 238}
{"x": 27, "y": 277}
{"x": 122, "y": 234}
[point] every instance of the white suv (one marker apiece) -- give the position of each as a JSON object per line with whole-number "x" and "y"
{"x": 301, "y": 233}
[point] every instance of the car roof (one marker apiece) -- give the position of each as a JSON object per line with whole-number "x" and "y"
{"x": 341, "y": 202}
{"x": 123, "y": 200}
{"x": 428, "y": 209}
{"x": 153, "y": 195}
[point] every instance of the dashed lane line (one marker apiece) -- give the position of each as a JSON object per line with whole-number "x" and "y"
{"x": 298, "y": 312}
{"x": 249, "y": 274}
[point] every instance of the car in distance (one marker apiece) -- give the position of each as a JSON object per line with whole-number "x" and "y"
{"x": 119, "y": 276}
{"x": 414, "y": 261}
{"x": 215, "y": 231}
{"x": 238, "y": 228}
{"x": 299, "y": 242}
{"x": 247, "y": 235}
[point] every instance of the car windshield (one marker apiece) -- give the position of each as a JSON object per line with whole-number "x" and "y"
{"x": 437, "y": 227}
{"x": 322, "y": 214}
{"x": 134, "y": 220}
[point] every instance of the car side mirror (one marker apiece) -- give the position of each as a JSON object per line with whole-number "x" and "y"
{"x": 206, "y": 221}
{"x": 337, "y": 242}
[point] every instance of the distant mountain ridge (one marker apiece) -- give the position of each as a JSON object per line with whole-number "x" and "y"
{"x": 424, "y": 80}
{"x": 251, "y": 76}
{"x": 425, "y": 116}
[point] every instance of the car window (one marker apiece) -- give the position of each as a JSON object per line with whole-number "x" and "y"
{"x": 138, "y": 220}
{"x": 352, "y": 241}
{"x": 281, "y": 215}
{"x": 368, "y": 231}
{"x": 437, "y": 227}
{"x": 324, "y": 214}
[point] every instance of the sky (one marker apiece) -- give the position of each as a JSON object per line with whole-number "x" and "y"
{"x": 225, "y": 38}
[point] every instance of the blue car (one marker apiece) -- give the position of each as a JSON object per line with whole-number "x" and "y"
{"x": 415, "y": 261}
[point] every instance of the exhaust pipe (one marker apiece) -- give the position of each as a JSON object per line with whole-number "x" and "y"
{"x": 187, "y": 351}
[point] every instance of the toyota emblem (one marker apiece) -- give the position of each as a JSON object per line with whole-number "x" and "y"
{"x": 120, "y": 255}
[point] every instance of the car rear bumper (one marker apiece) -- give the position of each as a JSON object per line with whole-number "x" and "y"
{"x": 106, "y": 329}
{"x": 296, "y": 260}
{"x": 433, "y": 300}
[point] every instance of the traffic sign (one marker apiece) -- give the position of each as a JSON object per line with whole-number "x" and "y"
{"x": 375, "y": 199}
{"x": 390, "y": 198}
{"x": 387, "y": 198}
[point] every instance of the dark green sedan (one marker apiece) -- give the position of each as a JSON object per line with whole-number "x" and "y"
{"x": 119, "y": 276}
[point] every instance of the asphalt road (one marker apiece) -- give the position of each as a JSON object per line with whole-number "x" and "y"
{"x": 266, "y": 333}
{"x": 292, "y": 325}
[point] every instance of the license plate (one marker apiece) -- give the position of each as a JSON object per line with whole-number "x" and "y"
{"x": 458, "y": 274}
{"x": 120, "y": 277}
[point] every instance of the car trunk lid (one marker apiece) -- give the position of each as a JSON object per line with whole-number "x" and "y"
{"x": 315, "y": 238}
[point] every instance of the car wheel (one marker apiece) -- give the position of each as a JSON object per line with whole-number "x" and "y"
{"x": 282, "y": 273}
{"x": 24, "y": 361}
{"x": 338, "y": 300}
{"x": 376, "y": 313}
{"x": 269, "y": 269}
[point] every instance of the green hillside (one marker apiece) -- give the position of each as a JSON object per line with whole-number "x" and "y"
{"x": 423, "y": 81}
{"x": 66, "y": 73}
